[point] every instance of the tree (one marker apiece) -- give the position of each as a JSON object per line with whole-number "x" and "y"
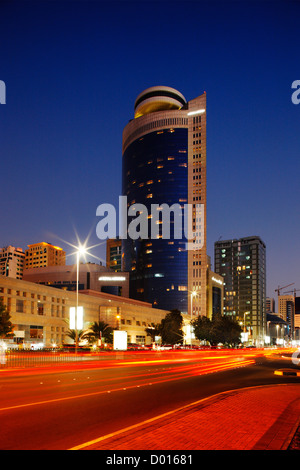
{"x": 72, "y": 335}
{"x": 220, "y": 329}
{"x": 171, "y": 328}
{"x": 202, "y": 328}
{"x": 99, "y": 330}
{"x": 6, "y": 327}
{"x": 153, "y": 330}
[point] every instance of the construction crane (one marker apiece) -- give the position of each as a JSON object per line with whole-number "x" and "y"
{"x": 291, "y": 292}
{"x": 280, "y": 288}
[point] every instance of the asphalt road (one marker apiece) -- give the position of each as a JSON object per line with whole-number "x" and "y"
{"x": 59, "y": 408}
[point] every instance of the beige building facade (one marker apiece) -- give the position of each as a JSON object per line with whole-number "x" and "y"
{"x": 40, "y": 314}
{"x": 44, "y": 254}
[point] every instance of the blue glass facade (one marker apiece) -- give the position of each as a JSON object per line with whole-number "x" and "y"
{"x": 155, "y": 171}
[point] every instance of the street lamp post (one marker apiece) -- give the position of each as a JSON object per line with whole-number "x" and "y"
{"x": 80, "y": 251}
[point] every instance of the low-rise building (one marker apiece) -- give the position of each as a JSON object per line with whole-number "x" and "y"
{"x": 40, "y": 314}
{"x": 91, "y": 276}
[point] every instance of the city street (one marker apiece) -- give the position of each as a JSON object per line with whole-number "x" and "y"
{"x": 64, "y": 406}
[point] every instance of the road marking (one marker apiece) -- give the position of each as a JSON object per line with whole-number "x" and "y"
{"x": 164, "y": 415}
{"x": 287, "y": 372}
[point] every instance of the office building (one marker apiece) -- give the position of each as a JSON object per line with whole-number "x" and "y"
{"x": 286, "y": 310}
{"x": 44, "y": 254}
{"x": 91, "y": 276}
{"x": 114, "y": 254}
{"x": 270, "y": 305}
{"x": 40, "y": 314}
{"x": 276, "y": 331}
{"x": 164, "y": 162}
{"x": 12, "y": 262}
{"x": 242, "y": 264}
{"x": 215, "y": 292}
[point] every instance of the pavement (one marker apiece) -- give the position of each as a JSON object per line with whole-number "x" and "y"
{"x": 254, "y": 418}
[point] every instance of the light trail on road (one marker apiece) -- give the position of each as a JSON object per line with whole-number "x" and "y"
{"x": 59, "y": 407}
{"x": 145, "y": 379}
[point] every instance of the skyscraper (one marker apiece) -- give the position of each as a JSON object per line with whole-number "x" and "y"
{"x": 242, "y": 264}
{"x": 164, "y": 162}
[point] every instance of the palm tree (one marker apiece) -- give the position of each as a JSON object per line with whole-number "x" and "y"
{"x": 72, "y": 334}
{"x": 99, "y": 330}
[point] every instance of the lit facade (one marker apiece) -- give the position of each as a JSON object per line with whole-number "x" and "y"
{"x": 40, "y": 314}
{"x": 114, "y": 254}
{"x": 270, "y": 305}
{"x": 44, "y": 254}
{"x": 91, "y": 276}
{"x": 242, "y": 264}
{"x": 215, "y": 293}
{"x": 164, "y": 162}
{"x": 286, "y": 310}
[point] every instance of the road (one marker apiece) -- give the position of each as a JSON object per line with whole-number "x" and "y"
{"x": 62, "y": 407}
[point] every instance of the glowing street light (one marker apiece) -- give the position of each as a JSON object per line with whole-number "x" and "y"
{"x": 80, "y": 250}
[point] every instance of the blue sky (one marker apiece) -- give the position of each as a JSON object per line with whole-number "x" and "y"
{"x": 73, "y": 71}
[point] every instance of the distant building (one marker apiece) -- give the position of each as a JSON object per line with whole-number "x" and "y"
{"x": 297, "y": 317}
{"x": 277, "y": 329}
{"x": 242, "y": 264}
{"x": 286, "y": 310}
{"x": 91, "y": 277}
{"x": 215, "y": 292}
{"x": 12, "y": 262}
{"x": 114, "y": 254}
{"x": 44, "y": 254}
{"x": 270, "y": 305}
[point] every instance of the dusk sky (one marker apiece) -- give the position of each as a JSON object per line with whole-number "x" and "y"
{"x": 73, "y": 71}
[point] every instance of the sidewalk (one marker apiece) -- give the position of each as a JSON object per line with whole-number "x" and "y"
{"x": 258, "y": 418}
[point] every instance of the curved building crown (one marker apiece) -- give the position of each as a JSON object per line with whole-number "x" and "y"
{"x": 158, "y": 98}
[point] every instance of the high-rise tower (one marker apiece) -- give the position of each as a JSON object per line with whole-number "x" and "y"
{"x": 164, "y": 162}
{"x": 242, "y": 264}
